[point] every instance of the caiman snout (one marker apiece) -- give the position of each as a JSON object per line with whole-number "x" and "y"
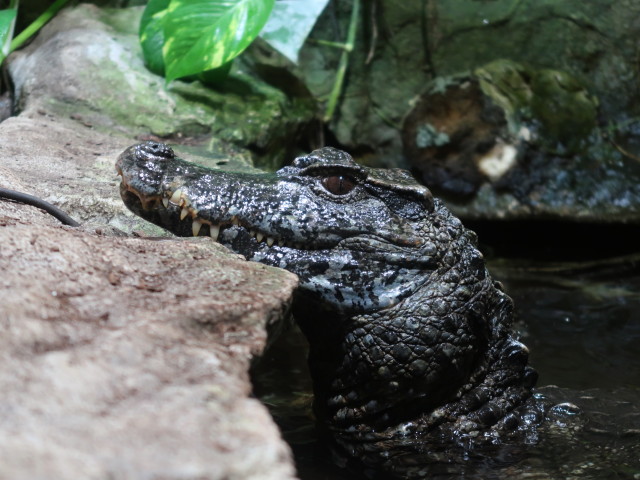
{"x": 153, "y": 149}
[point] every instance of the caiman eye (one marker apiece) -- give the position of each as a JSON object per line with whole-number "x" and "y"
{"x": 339, "y": 184}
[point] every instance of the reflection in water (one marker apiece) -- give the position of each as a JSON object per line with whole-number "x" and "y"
{"x": 582, "y": 325}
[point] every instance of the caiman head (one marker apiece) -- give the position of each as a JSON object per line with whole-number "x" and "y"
{"x": 322, "y": 218}
{"x": 408, "y": 334}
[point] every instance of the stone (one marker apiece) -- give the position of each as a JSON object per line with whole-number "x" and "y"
{"x": 586, "y": 94}
{"x": 128, "y": 357}
{"x": 124, "y": 355}
{"x": 89, "y": 63}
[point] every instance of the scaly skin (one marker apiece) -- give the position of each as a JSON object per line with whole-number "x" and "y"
{"x": 410, "y": 339}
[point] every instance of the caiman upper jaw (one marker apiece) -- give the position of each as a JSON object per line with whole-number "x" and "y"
{"x": 185, "y": 199}
{"x": 142, "y": 166}
{"x": 174, "y": 211}
{"x": 151, "y": 186}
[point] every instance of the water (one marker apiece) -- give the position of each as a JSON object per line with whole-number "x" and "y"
{"x": 581, "y": 322}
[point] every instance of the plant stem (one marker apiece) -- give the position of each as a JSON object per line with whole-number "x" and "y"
{"x": 344, "y": 62}
{"x": 37, "y": 24}
{"x": 329, "y": 43}
{"x": 7, "y": 34}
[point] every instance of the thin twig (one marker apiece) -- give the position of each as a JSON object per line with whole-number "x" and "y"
{"x": 344, "y": 62}
{"x": 374, "y": 32}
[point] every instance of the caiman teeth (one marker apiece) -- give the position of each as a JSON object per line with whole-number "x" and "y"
{"x": 195, "y": 227}
{"x": 261, "y": 237}
{"x": 175, "y": 198}
{"x": 214, "y": 231}
{"x": 179, "y": 199}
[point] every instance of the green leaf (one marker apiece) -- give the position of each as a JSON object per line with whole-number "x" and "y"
{"x": 152, "y": 34}
{"x": 7, "y": 21}
{"x": 202, "y": 35}
{"x": 290, "y": 24}
{"x": 150, "y": 11}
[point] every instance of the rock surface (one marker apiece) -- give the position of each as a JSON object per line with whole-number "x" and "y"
{"x": 402, "y": 51}
{"x": 509, "y": 142}
{"x": 121, "y": 357}
{"x": 129, "y": 358}
{"x": 87, "y": 65}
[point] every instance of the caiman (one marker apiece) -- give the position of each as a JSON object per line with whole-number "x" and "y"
{"x": 411, "y": 346}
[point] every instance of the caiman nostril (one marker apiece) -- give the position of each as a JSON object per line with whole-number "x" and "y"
{"x": 155, "y": 150}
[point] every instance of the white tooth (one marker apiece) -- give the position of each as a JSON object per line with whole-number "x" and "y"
{"x": 183, "y": 213}
{"x": 165, "y": 202}
{"x": 252, "y": 233}
{"x": 281, "y": 243}
{"x": 235, "y": 221}
{"x": 175, "y": 198}
{"x": 270, "y": 241}
{"x": 259, "y": 237}
{"x": 214, "y": 231}
{"x": 195, "y": 227}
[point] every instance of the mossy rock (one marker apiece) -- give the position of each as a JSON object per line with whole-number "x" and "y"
{"x": 107, "y": 86}
{"x": 568, "y": 76}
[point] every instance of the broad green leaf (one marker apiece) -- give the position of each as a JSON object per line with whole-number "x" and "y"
{"x": 150, "y": 11}
{"x": 152, "y": 34}
{"x": 7, "y": 20}
{"x": 290, "y": 24}
{"x": 202, "y": 35}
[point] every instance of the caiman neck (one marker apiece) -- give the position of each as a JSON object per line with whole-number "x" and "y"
{"x": 424, "y": 364}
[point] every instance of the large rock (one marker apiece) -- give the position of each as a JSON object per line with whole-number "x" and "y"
{"x": 128, "y": 358}
{"x": 511, "y": 142}
{"x": 121, "y": 357}
{"x": 406, "y": 51}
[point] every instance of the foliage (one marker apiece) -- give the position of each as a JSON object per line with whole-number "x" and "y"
{"x": 7, "y": 22}
{"x": 196, "y": 36}
{"x": 290, "y": 24}
{"x": 182, "y": 38}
